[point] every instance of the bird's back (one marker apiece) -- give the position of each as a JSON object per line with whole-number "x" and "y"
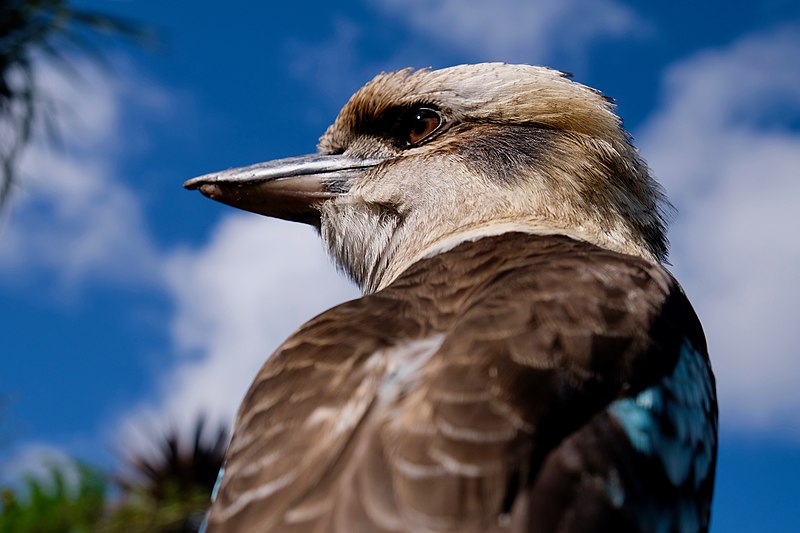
{"x": 513, "y": 383}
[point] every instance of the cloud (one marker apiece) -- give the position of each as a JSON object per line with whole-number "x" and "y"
{"x": 726, "y": 145}
{"x": 445, "y": 31}
{"x": 75, "y": 221}
{"x": 237, "y": 298}
{"x": 517, "y": 30}
{"x": 70, "y": 216}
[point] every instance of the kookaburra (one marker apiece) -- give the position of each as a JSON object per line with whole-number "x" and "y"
{"x": 520, "y": 360}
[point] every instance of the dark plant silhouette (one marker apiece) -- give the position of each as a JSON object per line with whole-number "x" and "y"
{"x": 171, "y": 491}
{"x": 30, "y": 31}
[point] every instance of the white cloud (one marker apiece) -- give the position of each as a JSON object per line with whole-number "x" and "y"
{"x": 724, "y": 145}
{"x": 73, "y": 221}
{"x": 517, "y": 30}
{"x": 467, "y": 31}
{"x": 70, "y": 215}
{"x": 237, "y": 298}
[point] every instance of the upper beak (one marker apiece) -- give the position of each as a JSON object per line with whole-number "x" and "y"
{"x": 291, "y": 188}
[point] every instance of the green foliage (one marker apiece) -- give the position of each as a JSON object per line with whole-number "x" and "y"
{"x": 181, "y": 511}
{"x": 54, "y": 506}
{"x": 168, "y": 493}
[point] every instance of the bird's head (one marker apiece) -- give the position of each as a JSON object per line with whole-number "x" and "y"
{"x": 419, "y": 160}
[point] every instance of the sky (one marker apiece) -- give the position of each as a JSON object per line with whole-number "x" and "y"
{"x": 129, "y": 305}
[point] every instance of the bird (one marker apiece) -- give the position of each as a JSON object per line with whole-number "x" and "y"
{"x": 520, "y": 360}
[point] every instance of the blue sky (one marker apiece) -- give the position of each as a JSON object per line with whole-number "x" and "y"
{"x": 129, "y": 304}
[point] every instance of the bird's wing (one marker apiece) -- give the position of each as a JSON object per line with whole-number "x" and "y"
{"x": 299, "y": 416}
{"x": 500, "y": 386}
{"x": 573, "y": 393}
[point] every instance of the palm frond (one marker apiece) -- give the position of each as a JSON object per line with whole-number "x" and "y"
{"x": 32, "y": 29}
{"x": 171, "y": 490}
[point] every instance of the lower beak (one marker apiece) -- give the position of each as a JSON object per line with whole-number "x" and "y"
{"x": 291, "y": 188}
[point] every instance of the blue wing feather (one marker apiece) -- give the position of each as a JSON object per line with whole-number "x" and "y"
{"x": 673, "y": 421}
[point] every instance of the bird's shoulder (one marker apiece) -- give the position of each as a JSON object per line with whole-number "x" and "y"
{"x": 436, "y": 398}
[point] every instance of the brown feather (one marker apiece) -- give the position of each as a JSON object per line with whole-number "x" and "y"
{"x": 513, "y": 347}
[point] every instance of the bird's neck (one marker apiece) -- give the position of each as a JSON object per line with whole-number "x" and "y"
{"x": 401, "y": 260}
{"x": 374, "y": 251}
{"x": 375, "y": 246}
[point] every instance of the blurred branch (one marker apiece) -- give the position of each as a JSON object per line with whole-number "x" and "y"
{"x": 29, "y": 31}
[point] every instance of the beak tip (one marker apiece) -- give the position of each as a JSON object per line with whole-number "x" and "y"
{"x": 193, "y": 184}
{"x": 202, "y": 184}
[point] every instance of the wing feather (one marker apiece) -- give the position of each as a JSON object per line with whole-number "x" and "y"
{"x": 470, "y": 395}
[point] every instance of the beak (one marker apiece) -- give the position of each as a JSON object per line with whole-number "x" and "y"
{"x": 291, "y": 188}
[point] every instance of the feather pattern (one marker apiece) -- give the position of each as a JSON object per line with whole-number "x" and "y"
{"x": 493, "y": 387}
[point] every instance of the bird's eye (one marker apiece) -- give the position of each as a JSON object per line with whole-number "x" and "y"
{"x": 419, "y": 125}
